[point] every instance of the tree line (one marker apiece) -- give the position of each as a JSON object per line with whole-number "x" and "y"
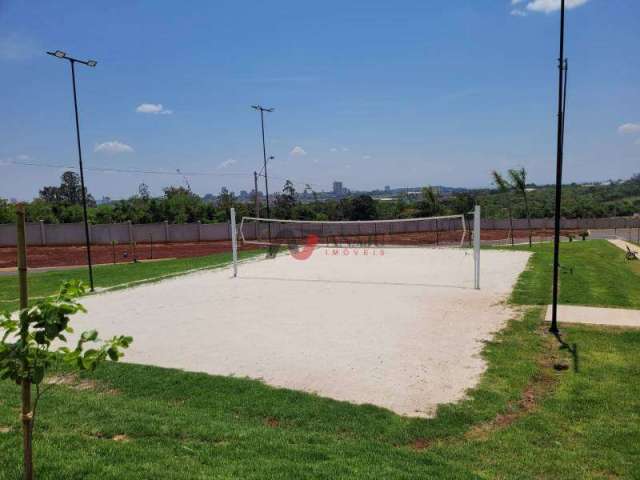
{"x": 512, "y": 197}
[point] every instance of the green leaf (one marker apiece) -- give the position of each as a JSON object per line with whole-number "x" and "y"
{"x": 38, "y": 375}
{"x": 40, "y": 337}
{"x": 89, "y": 336}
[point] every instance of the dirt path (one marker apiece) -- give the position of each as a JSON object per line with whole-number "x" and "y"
{"x": 623, "y": 244}
{"x": 619, "y": 317}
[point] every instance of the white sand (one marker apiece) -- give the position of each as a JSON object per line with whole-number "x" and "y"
{"x": 620, "y": 317}
{"x": 402, "y": 330}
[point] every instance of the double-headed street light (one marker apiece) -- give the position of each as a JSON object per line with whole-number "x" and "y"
{"x": 262, "y": 109}
{"x": 89, "y": 63}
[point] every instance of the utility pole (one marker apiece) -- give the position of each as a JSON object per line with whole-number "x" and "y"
{"x": 559, "y": 160}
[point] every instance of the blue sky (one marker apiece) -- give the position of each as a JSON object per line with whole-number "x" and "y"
{"x": 371, "y": 93}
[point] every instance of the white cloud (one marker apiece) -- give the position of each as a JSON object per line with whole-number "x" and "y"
{"x": 16, "y": 47}
{"x": 367, "y": 157}
{"x": 628, "y": 128}
{"x": 23, "y": 157}
{"x": 227, "y": 163}
{"x": 548, "y": 6}
{"x": 113, "y": 147}
{"x": 516, "y": 2}
{"x": 154, "y": 108}
{"x": 333, "y": 149}
{"x": 297, "y": 151}
{"x": 345, "y": 149}
{"x": 518, "y": 13}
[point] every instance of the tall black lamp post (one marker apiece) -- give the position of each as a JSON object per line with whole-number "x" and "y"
{"x": 562, "y": 95}
{"x": 89, "y": 63}
{"x": 262, "y": 109}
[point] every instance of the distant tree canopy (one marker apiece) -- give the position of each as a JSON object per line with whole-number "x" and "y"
{"x": 62, "y": 204}
{"x": 68, "y": 193}
{"x": 610, "y": 199}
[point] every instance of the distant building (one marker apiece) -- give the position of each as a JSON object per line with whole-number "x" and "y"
{"x": 338, "y": 189}
{"x": 387, "y": 188}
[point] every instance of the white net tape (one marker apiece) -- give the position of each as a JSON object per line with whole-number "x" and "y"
{"x": 449, "y": 231}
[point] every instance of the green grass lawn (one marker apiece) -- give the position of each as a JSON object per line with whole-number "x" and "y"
{"x": 593, "y": 273}
{"x": 108, "y": 276}
{"x": 524, "y": 420}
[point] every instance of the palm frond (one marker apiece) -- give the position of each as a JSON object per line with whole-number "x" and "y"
{"x": 500, "y": 182}
{"x": 519, "y": 179}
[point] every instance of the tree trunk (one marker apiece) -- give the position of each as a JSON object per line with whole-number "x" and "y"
{"x": 511, "y": 224}
{"x": 526, "y": 207}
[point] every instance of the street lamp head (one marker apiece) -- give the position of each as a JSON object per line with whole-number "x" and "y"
{"x": 91, "y": 63}
{"x": 261, "y": 108}
{"x": 58, "y": 54}
{"x": 272, "y": 157}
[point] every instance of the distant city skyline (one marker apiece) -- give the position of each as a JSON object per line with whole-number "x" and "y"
{"x": 411, "y": 93}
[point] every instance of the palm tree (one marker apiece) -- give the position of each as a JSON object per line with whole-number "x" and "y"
{"x": 519, "y": 182}
{"x": 504, "y": 187}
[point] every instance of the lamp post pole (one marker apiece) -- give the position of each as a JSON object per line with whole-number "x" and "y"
{"x": 89, "y": 63}
{"x": 262, "y": 109}
{"x": 559, "y": 160}
{"x": 255, "y": 190}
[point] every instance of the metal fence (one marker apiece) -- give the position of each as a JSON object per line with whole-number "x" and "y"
{"x": 73, "y": 233}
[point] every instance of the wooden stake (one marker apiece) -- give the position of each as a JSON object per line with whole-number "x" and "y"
{"x": 27, "y": 414}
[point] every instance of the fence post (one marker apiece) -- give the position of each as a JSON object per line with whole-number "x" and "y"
{"x": 199, "y": 231}
{"x": 43, "y": 234}
{"x": 166, "y": 231}
{"x": 130, "y": 227}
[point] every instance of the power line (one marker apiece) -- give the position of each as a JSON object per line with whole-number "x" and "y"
{"x": 131, "y": 170}
{"x": 155, "y": 172}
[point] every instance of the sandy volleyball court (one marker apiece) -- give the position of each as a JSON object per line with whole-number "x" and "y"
{"x": 399, "y": 328}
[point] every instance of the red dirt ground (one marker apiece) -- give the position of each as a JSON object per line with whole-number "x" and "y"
{"x": 70, "y": 255}
{"x": 67, "y": 255}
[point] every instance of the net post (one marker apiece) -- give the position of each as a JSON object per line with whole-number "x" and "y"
{"x": 234, "y": 242}
{"x": 476, "y": 246}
